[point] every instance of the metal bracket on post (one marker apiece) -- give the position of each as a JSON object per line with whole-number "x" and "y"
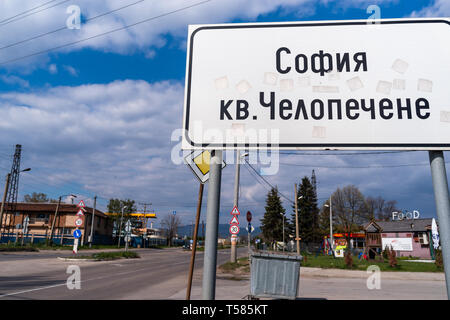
{"x": 212, "y": 225}
{"x": 440, "y": 186}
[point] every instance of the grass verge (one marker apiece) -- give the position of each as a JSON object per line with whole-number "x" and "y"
{"x": 322, "y": 261}
{"x": 104, "y": 256}
{"x": 10, "y": 248}
{"x": 241, "y": 266}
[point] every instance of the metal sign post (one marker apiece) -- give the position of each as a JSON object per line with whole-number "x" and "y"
{"x": 440, "y": 186}
{"x": 212, "y": 225}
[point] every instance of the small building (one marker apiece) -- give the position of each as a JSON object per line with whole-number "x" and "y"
{"x": 41, "y": 217}
{"x": 409, "y": 237}
{"x": 357, "y": 241}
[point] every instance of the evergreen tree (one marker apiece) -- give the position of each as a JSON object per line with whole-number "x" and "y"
{"x": 272, "y": 222}
{"x": 308, "y": 213}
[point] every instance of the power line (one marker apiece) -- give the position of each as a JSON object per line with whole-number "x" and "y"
{"x": 65, "y": 27}
{"x": 356, "y": 167}
{"x": 256, "y": 171}
{"x": 8, "y": 21}
{"x": 105, "y": 33}
{"x": 345, "y": 154}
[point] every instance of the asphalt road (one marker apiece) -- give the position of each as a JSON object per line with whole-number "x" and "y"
{"x": 158, "y": 274}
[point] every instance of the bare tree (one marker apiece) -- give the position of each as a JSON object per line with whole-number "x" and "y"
{"x": 349, "y": 209}
{"x": 170, "y": 225}
{"x": 379, "y": 208}
{"x": 389, "y": 207}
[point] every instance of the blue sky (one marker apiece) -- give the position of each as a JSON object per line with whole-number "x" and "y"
{"x": 96, "y": 118}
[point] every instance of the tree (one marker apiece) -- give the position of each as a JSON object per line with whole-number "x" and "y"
{"x": 349, "y": 208}
{"x": 38, "y": 198}
{"x": 378, "y": 208}
{"x": 308, "y": 213}
{"x": 272, "y": 222}
{"x": 115, "y": 206}
{"x": 170, "y": 225}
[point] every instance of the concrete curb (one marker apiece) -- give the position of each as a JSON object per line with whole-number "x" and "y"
{"x": 73, "y": 259}
{"x": 308, "y": 272}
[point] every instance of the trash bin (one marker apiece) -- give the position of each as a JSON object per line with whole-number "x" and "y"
{"x": 274, "y": 275}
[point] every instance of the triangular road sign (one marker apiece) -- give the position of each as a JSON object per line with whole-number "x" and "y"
{"x": 81, "y": 204}
{"x": 234, "y": 220}
{"x": 235, "y": 211}
{"x": 80, "y": 212}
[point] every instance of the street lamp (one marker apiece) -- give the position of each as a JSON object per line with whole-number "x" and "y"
{"x": 56, "y": 212}
{"x": 331, "y": 226}
{"x": 120, "y": 226}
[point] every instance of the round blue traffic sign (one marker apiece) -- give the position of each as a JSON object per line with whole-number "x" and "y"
{"x": 77, "y": 233}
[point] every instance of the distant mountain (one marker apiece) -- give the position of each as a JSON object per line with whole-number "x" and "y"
{"x": 224, "y": 230}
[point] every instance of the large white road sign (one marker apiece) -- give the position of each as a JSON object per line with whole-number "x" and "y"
{"x": 319, "y": 85}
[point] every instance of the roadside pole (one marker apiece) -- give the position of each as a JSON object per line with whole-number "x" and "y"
{"x": 212, "y": 225}
{"x": 297, "y": 239}
{"x": 54, "y": 220}
{"x": 3, "y": 204}
{"x": 92, "y": 223}
{"x": 440, "y": 186}
{"x": 194, "y": 245}
{"x": 331, "y": 227}
{"x": 235, "y": 203}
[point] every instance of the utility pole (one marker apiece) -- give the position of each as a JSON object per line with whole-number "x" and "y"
{"x": 283, "y": 230}
{"x": 13, "y": 185}
{"x": 440, "y": 186}
{"x": 54, "y": 220}
{"x": 3, "y": 204}
{"x": 212, "y": 225}
{"x": 145, "y": 220}
{"x": 91, "y": 236}
{"x": 297, "y": 238}
{"x": 120, "y": 227}
{"x": 235, "y": 203}
{"x": 331, "y": 225}
{"x": 194, "y": 244}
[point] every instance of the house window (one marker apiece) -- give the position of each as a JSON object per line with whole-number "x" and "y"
{"x": 98, "y": 222}
{"x": 423, "y": 238}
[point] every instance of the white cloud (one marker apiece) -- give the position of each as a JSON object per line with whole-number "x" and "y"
{"x": 113, "y": 140}
{"x": 439, "y": 8}
{"x": 14, "y": 80}
{"x": 53, "y": 69}
{"x": 144, "y": 37}
{"x": 71, "y": 70}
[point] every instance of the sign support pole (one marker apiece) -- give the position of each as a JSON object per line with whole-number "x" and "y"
{"x": 297, "y": 237}
{"x": 440, "y": 186}
{"x": 235, "y": 204}
{"x": 212, "y": 225}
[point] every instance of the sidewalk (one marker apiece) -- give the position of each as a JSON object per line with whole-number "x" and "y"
{"x": 316, "y": 283}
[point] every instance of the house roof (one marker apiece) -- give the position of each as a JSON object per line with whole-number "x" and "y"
{"x": 24, "y": 207}
{"x": 415, "y": 225}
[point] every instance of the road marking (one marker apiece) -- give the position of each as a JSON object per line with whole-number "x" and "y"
{"x": 65, "y": 283}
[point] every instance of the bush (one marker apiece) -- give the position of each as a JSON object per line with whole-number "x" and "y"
{"x": 392, "y": 258}
{"x": 386, "y": 252}
{"x": 438, "y": 259}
